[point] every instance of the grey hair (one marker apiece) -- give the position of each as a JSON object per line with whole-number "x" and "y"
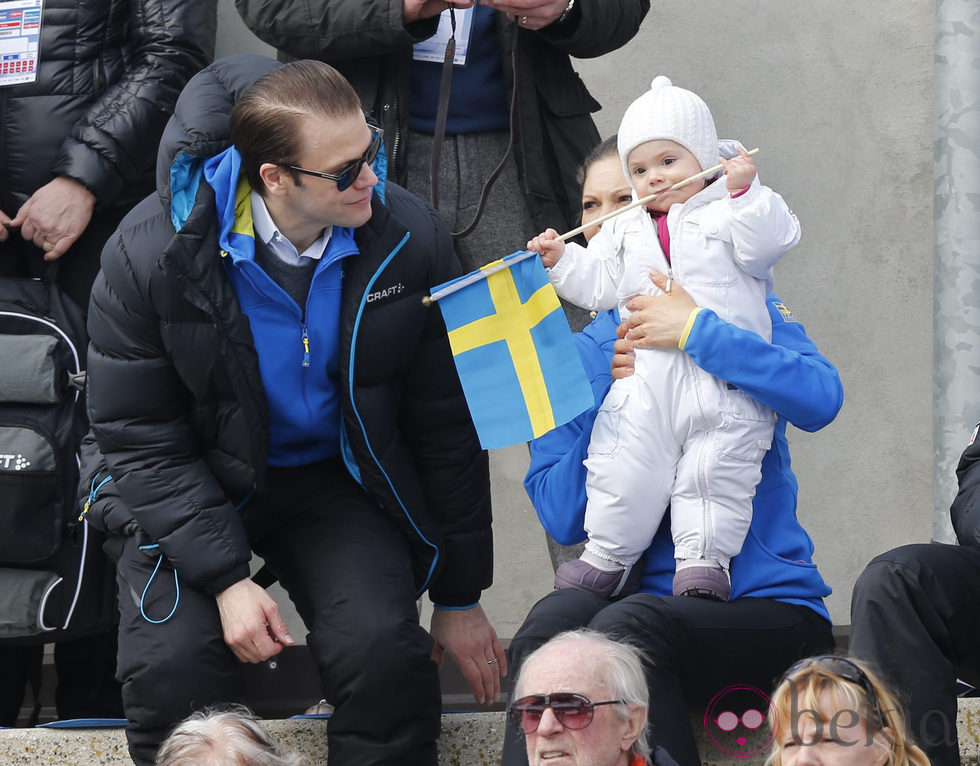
{"x": 622, "y": 671}
{"x": 228, "y": 737}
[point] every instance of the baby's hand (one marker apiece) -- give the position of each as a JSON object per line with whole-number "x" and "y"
{"x": 550, "y": 247}
{"x": 739, "y": 171}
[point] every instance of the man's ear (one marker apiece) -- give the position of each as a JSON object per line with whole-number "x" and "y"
{"x": 273, "y": 176}
{"x": 634, "y": 726}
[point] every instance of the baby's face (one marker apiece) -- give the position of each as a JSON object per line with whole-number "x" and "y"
{"x": 656, "y": 165}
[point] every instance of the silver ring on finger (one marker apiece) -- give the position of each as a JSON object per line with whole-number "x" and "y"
{"x": 492, "y": 662}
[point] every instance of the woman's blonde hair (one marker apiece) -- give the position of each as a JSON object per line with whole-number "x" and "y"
{"x": 802, "y": 686}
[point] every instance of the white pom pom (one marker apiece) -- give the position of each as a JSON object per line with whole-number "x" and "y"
{"x": 660, "y": 82}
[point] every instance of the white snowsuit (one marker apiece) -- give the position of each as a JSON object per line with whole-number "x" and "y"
{"x": 672, "y": 433}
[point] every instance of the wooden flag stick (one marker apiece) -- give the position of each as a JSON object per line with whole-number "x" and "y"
{"x": 649, "y": 198}
{"x": 476, "y": 276}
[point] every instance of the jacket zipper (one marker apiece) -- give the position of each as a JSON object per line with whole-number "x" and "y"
{"x": 306, "y": 344}
{"x": 397, "y": 140}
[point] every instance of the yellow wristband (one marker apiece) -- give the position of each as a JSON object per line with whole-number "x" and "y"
{"x": 687, "y": 327}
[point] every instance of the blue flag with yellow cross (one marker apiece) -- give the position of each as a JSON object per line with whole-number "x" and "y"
{"x": 515, "y": 354}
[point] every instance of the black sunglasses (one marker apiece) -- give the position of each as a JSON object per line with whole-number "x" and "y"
{"x": 844, "y": 668}
{"x": 573, "y": 711}
{"x": 348, "y": 174}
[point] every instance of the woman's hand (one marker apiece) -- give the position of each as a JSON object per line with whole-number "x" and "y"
{"x": 658, "y": 321}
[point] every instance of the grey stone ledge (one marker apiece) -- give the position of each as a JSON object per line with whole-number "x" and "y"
{"x": 468, "y": 739}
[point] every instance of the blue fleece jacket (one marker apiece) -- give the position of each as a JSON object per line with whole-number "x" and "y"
{"x": 298, "y": 350}
{"x": 789, "y": 375}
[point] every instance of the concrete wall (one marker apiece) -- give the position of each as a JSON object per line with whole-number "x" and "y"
{"x": 839, "y": 97}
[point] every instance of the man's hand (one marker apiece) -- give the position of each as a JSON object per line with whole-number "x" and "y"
{"x": 416, "y": 10}
{"x": 470, "y": 638}
{"x": 550, "y": 247}
{"x": 4, "y": 223}
{"x": 658, "y": 321}
{"x": 529, "y": 14}
{"x": 252, "y": 625}
{"x": 55, "y": 216}
{"x": 739, "y": 171}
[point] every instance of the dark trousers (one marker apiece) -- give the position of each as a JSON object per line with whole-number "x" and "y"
{"x": 915, "y": 617}
{"x": 347, "y": 568}
{"x": 694, "y": 649}
{"x": 85, "y": 667}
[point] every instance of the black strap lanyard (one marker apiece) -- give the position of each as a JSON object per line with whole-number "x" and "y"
{"x": 442, "y": 112}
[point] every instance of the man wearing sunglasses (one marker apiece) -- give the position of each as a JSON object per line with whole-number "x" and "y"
{"x": 263, "y": 376}
{"x": 581, "y": 699}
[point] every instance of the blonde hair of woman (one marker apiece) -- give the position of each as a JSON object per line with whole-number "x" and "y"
{"x": 834, "y": 710}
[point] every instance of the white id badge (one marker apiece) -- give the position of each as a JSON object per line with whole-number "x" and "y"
{"x": 20, "y": 41}
{"x": 434, "y": 49}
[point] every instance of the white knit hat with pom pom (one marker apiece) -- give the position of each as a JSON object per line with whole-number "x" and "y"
{"x": 668, "y": 112}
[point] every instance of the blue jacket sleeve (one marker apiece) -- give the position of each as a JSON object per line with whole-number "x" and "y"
{"x": 788, "y": 375}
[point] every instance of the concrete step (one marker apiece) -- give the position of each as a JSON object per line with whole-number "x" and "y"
{"x": 468, "y": 739}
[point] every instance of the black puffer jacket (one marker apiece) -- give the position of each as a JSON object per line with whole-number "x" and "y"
{"x": 367, "y": 41}
{"x": 177, "y": 402}
{"x": 110, "y": 72}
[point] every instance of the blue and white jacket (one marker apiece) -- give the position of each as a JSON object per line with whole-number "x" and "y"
{"x": 789, "y": 375}
{"x": 181, "y": 411}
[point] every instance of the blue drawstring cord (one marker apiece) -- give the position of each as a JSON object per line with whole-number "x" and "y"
{"x": 149, "y": 582}
{"x": 93, "y": 491}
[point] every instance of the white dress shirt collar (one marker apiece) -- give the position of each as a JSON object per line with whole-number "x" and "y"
{"x": 267, "y": 231}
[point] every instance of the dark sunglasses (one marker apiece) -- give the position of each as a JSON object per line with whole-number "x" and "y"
{"x": 573, "y": 711}
{"x": 348, "y": 174}
{"x": 844, "y": 668}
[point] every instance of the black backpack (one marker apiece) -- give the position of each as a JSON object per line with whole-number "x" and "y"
{"x": 55, "y": 581}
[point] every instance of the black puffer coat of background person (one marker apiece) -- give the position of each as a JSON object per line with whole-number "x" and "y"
{"x": 177, "y": 402}
{"x": 553, "y": 129}
{"x": 110, "y": 74}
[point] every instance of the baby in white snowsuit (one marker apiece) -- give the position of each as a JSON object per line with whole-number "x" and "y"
{"x": 672, "y": 434}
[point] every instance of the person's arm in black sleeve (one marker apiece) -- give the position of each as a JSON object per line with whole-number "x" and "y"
{"x": 337, "y": 30}
{"x": 169, "y": 41}
{"x": 965, "y": 510}
{"x": 590, "y": 28}
{"x": 138, "y": 409}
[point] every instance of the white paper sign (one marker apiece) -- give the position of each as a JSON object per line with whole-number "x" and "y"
{"x": 20, "y": 37}
{"x": 434, "y": 49}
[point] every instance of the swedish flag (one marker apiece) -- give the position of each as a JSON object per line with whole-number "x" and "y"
{"x": 516, "y": 357}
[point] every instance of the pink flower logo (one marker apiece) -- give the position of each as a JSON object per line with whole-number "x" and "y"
{"x": 733, "y": 716}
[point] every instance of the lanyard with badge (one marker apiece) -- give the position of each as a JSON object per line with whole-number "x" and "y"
{"x": 20, "y": 41}
{"x": 442, "y": 46}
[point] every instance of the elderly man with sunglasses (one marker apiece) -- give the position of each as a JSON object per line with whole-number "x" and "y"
{"x": 581, "y": 699}
{"x": 263, "y": 376}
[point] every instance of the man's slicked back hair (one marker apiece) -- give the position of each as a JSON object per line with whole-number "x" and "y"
{"x": 265, "y": 123}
